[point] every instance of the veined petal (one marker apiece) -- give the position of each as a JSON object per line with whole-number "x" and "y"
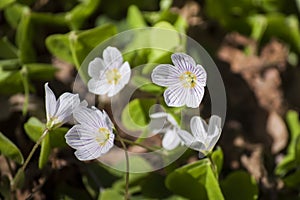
{"x": 194, "y": 97}
{"x": 112, "y": 57}
{"x": 125, "y": 71}
{"x": 199, "y": 128}
{"x": 79, "y": 136}
{"x": 183, "y": 61}
{"x": 96, "y": 68}
{"x": 171, "y": 140}
{"x": 214, "y": 126}
{"x": 98, "y": 86}
{"x": 108, "y": 144}
{"x": 50, "y": 102}
{"x": 67, "y": 103}
{"x": 186, "y": 137}
{"x": 115, "y": 89}
{"x": 158, "y": 121}
{"x": 88, "y": 117}
{"x": 201, "y": 75}
{"x": 175, "y": 96}
{"x": 165, "y": 75}
{"x": 89, "y": 152}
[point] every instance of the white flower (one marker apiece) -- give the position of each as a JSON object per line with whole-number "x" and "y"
{"x": 93, "y": 136}
{"x": 59, "y": 111}
{"x": 185, "y": 81}
{"x": 204, "y": 137}
{"x": 162, "y": 122}
{"x": 109, "y": 75}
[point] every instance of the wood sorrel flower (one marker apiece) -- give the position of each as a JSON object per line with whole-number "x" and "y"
{"x": 59, "y": 111}
{"x": 185, "y": 81}
{"x": 109, "y": 75}
{"x": 162, "y": 122}
{"x": 204, "y": 137}
{"x": 93, "y": 136}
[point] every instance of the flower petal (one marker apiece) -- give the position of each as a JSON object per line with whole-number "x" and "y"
{"x": 214, "y": 126}
{"x": 171, "y": 140}
{"x": 96, "y": 68}
{"x": 125, "y": 71}
{"x": 115, "y": 89}
{"x": 175, "y": 96}
{"x": 165, "y": 75}
{"x": 199, "y": 128}
{"x": 88, "y": 117}
{"x": 99, "y": 87}
{"x": 186, "y": 137}
{"x": 89, "y": 152}
{"x": 67, "y": 103}
{"x": 201, "y": 75}
{"x": 194, "y": 97}
{"x": 50, "y": 102}
{"x": 80, "y": 135}
{"x": 183, "y": 61}
{"x": 157, "y": 123}
{"x": 112, "y": 57}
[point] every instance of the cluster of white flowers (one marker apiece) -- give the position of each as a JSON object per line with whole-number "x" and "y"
{"x": 92, "y": 135}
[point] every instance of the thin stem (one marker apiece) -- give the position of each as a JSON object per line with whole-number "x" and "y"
{"x": 138, "y": 144}
{"x": 213, "y": 166}
{"x": 26, "y": 89}
{"x": 127, "y": 166}
{"x": 34, "y": 148}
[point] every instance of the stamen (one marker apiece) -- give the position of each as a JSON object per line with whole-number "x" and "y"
{"x": 103, "y": 136}
{"x": 188, "y": 79}
{"x": 113, "y": 76}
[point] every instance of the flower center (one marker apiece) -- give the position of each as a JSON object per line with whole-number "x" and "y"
{"x": 103, "y": 136}
{"x": 188, "y": 79}
{"x": 113, "y": 76}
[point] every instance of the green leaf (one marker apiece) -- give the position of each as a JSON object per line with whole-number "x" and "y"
{"x": 4, "y": 3}
{"x": 34, "y": 128}
{"x": 59, "y": 46}
{"x": 135, "y": 18}
{"x": 45, "y": 151}
{"x": 10, "y": 150}
{"x": 110, "y": 194}
{"x": 239, "y": 185}
{"x": 195, "y": 181}
{"x": 153, "y": 186}
{"x": 7, "y": 49}
{"x": 77, "y": 16}
{"x": 10, "y": 82}
{"x": 144, "y": 84}
{"x": 135, "y": 115}
{"x": 24, "y": 38}
{"x": 217, "y": 157}
{"x": 40, "y": 71}
{"x": 13, "y": 14}
{"x": 57, "y": 137}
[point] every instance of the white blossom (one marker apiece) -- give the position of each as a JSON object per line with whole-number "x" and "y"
{"x": 185, "y": 81}
{"x": 59, "y": 111}
{"x": 93, "y": 136}
{"x": 164, "y": 123}
{"x": 110, "y": 74}
{"x": 204, "y": 137}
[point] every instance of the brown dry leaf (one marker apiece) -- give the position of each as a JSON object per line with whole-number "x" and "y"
{"x": 278, "y": 131}
{"x": 190, "y": 12}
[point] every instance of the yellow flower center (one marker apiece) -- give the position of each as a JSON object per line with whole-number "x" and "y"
{"x": 188, "y": 79}
{"x": 103, "y": 136}
{"x": 113, "y": 76}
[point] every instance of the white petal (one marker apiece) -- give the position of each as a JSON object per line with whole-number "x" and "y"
{"x": 158, "y": 120}
{"x": 99, "y": 87}
{"x": 201, "y": 75}
{"x": 115, "y": 89}
{"x": 125, "y": 71}
{"x": 50, "y": 102}
{"x": 199, "y": 128}
{"x": 103, "y": 119}
{"x": 186, "y": 137}
{"x": 79, "y": 136}
{"x": 183, "y": 61}
{"x": 112, "y": 57}
{"x": 88, "y": 152}
{"x": 96, "y": 68}
{"x": 88, "y": 117}
{"x": 67, "y": 103}
{"x": 165, "y": 75}
{"x": 213, "y": 142}
{"x": 171, "y": 140}
{"x": 194, "y": 97}
{"x": 108, "y": 144}
{"x": 175, "y": 96}
{"x": 172, "y": 120}
{"x": 214, "y": 125}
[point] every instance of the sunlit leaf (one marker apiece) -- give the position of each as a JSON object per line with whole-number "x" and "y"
{"x": 135, "y": 18}
{"x": 10, "y": 150}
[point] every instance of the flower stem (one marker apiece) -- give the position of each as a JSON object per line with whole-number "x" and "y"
{"x": 34, "y": 148}
{"x": 126, "y": 197}
{"x": 139, "y": 144}
{"x": 213, "y": 165}
{"x": 24, "y": 73}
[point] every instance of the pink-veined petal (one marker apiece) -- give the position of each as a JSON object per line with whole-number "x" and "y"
{"x": 50, "y": 102}
{"x": 96, "y": 68}
{"x": 183, "y": 61}
{"x": 165, "y": 75}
